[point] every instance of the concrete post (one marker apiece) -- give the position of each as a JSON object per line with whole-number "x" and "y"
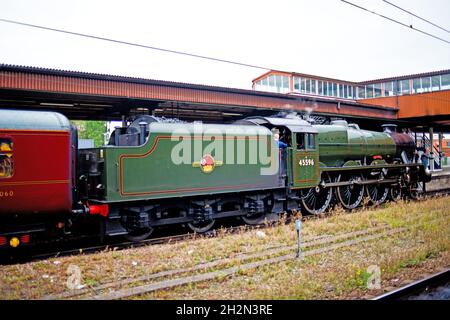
{"x": 441, "y": 154}
{"x": 298, "y": 228}
{"x": 431, "y": 132}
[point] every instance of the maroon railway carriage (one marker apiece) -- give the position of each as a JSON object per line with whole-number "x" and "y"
{"x": 37, "y": 173}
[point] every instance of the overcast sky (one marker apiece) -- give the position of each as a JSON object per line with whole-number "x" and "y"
{"x": 327, "y": 38}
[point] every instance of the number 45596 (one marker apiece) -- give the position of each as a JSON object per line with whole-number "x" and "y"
{"x": 306, "y": 162}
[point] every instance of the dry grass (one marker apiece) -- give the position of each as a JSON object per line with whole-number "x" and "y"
{"x": 341, "y": 273}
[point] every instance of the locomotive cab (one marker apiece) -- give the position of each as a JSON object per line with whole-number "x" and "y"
{"x": 300, "y": 159}
{"x": 304, "y": 157}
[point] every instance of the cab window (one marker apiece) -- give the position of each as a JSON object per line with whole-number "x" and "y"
{"x": 6, "y": 158}
{"x": 311, "y": 141}
{"x": 300, "y": 137}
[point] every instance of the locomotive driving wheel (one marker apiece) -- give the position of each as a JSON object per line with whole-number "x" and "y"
{"x": 317, "y": 200}
{"x": 377, "y": 193}
{"x": 395, "y": 193}
{"x": 350, "y": 196}
{"x": 416, "y": 190}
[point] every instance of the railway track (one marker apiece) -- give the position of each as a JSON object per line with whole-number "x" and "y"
{"x": 423, "y": 286}
{"x": 205, "y": 271}
{"x": 115, "y": 245}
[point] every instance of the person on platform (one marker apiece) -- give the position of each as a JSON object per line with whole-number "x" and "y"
{"x": 425, "y": 158}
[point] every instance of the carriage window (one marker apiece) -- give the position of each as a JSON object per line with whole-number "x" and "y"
{"x": 6, "y": 158}
{"x": 300, "y": 141}
{"x": 311, "y": 144}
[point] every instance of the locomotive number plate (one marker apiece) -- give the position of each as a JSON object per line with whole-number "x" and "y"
{"x": 306, "y": 162}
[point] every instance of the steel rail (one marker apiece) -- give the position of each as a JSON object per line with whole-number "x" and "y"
{"x": 417, "y": 286}
{"x": 166, "y": 284}
{"x": 272, "y": 250}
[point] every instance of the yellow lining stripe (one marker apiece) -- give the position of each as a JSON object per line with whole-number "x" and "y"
{"x": 24, "y": 183}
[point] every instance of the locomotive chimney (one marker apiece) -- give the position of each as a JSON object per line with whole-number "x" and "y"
{"x": 389, "y": 128}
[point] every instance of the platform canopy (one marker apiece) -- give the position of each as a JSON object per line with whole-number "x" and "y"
{"x": 90, "y": 96}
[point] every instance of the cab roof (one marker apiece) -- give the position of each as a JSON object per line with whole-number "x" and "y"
{"x": 293, "y": 124}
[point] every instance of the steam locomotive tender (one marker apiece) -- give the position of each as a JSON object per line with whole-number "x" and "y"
{"x": 155, "y": 173}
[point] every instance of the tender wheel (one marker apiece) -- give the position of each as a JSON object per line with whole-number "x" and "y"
{"x": 139, "y": 235}
{"x": 316, "y": 200}
{"x": 201, "y": 227}
{"x": 255, "y": 219}
{"x": 395, "y": 193}
{"x": 254, "y": 214}
{"x": 350, "y": 196}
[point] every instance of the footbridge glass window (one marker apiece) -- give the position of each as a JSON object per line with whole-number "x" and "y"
{"x": 377, "y": 90}
{"x": 308, "y": 86}
{"x": 341, "y": 90}
{"x": 436, "y": 83}
{"x": 285, "y": 84}
{"x": 361, "y": 92}
{"x": 404, "y": 86}
{"x": 296, "y": 84}
{"x": 313, "y": 86}
{"x": 6, "y": 158}
{"x": 369, "y": 91}
{"x": 426, "y": 84}
{"x": 416, "y": 86}
{"x": 388, "y": 89}
{"x": 445, "y": 82}
{"x": 271, "y": 83}
{"x": 330, "y": 89}
{"x": 275, "y": 83}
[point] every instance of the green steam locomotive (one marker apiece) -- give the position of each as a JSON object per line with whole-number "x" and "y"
{"x": 156, "y": 173}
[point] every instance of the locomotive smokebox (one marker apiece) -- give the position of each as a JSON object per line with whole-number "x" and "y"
{"x": 403, "y": 142}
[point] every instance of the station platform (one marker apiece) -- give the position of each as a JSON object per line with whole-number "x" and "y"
{"x": 440, "y": 180}
{"x": 445, "y": 171}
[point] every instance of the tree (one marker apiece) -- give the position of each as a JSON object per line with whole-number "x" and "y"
{"x": 91, "y": 130}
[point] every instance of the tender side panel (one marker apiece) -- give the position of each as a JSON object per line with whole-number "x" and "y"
{"x": 148, "y": 172}
{"x": 41, "y": 180}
